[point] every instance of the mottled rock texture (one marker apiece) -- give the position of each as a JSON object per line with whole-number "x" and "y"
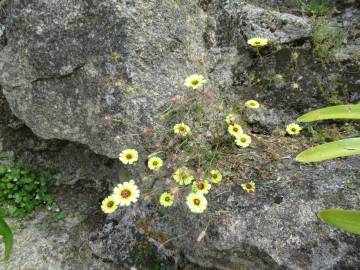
{"x": 67, "y": 66}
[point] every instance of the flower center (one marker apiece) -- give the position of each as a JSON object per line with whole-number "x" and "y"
{"x": 182, "y": 129}
{"x": 252, "y": 104}
{"x": 214, "y": 176}
{"x": 110, "y": 204}
{"x": 155, "y": 163}
{"x": 183, "y": 175}
{"x": 236, "y": 129}
{"x": 194, "y": 82}
{"x": 196, "y": 201}
{"x": 167, "y": 199}
{"x": 257, "y": 42}
{"x": 243, "y": 140}
{"x": 129, "y": 156}
{"x": 125, "y": 193}
{"x": 248, "y": 186}
{"x": 293, "y": 129}
{"x": 200, "y": 186}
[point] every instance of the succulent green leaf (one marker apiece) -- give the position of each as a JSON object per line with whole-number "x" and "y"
{"x": 7, "y": 235}
{"x": 348, "y": 220}
{"x": 342, "y": 148}
{"x": 333, "y": 112}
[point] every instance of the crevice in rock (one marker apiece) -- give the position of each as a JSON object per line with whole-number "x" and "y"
{"x": 204, "y": 4}
{"x": 71, "y": 73}
{"x": 69, "y": 162}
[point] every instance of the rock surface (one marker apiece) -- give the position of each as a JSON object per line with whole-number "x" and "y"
{"x": 276, "y": 228}
{"x": 57, "y": 240}
{"x": 67, "y": 67}
{"x": 120, "y": 59}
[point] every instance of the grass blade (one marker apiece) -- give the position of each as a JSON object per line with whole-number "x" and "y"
{"x": 348, "y": 220}
{"x": 6, "y": 232}
{"x": 342, "y": 148}
{"x": 333, "y": 112}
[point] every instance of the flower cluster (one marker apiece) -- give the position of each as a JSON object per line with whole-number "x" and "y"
{"x": 241, "y": 139}
{"x": 196, "y": 183}
{"x": 123, "y": 195}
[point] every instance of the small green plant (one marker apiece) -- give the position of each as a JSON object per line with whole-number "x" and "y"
{"x": 315, "y": 8}
{"x": 21, "y": 191}
{"x": 188, "y": 155}
{"x": 333, "y": 112}
{"x": 327, "y": 38}
{"x": 145, "y": 257}
{"x": 347, "y": 220}
{"x": 341, "y": 148}
{"x": 318, "y": 8}
{"x": 7, "y": 235}
{"x": 346, "y": 147}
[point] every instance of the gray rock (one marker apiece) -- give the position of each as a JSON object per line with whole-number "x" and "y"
{"x": 266, "y": 23}
{"x": 67, "y": 67}
{"x": 95, "y": 59}
{"x": 129, "y": 59}
{"x": 46, "y": 242}
{"x": 348, "y": 53}
{"x": 276, "y": 228}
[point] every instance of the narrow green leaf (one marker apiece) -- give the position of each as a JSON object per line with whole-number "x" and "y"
{"x": 333, "y": 112}
{"x": 6, "y": 232}
{"x": 342, "y": 148}
{"x": 348, "y": 220}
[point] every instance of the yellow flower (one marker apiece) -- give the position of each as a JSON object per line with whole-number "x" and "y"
{"x": 181, "y": 129}
{"x": 230, "y": 118}
{"x": 196, "y": 202}
{"x": 252, "y": 104}
{"x": 194, "y": 81}
{"x": 155, "y": 163}
{"x": 235, "y": 130}
{"x": 249, "y": 186}
{"x": 201, "y": 186}
{"x": 126, "y": 193}
{"x": 216, "y": 176}
{"x": 258, "y": 42}
{"x": 183, "y": 176}
{"x": 166, "y": 199}
{"x": 293, "y": 129}
{"x": 109, "y": 204}
{"x": 128, "y": 156}
{"x": 243, "y": 140}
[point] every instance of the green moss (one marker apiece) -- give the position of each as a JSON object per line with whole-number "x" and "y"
{"x": 327, "y": 38}
{"x": 317, "y": 8}
{"x": 320, "y": 134}
{"x": 144, "y": 256}
{"x": 335, "y": 93}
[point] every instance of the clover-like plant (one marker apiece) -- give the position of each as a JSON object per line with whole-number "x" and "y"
{"x": 21, "y": 191}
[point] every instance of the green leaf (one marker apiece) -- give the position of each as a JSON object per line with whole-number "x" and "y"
{"x": 342, "y": 148}
{"x": 6, "y": 232}
{"x": 333, "y": 112}
{"x": 2, "y": 169}
{"x": 348, "y": 220}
